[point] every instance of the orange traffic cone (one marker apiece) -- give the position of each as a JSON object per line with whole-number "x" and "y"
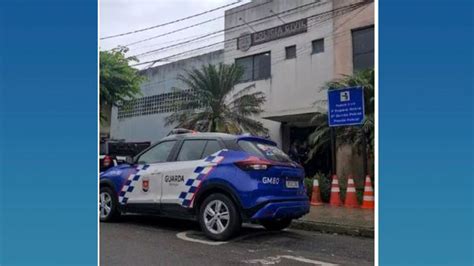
{"x": 368, "y": 199}
{"x": 351, "y": 196}
{"x": 316, "y": 194}
{"x": 335, "y": 199}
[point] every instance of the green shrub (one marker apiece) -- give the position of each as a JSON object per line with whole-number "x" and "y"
{"x": 325, "y": 181}
{"x": 342, "y": 180}
{"x": 360, "y": 194}
{"x": 308, "y": 183}
{"x": 324, "y": 185}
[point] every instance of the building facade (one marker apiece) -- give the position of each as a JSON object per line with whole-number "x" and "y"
{"x": 288, "y": 50}
{"x": 144, "y": 120}
{"x": 353, "y": 50}
{"x": 290, "y": 58}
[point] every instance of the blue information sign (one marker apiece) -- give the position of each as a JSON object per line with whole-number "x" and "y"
{"x": 346, "y": 106}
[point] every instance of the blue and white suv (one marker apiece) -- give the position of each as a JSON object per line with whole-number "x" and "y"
{"x": 220, "y": 180}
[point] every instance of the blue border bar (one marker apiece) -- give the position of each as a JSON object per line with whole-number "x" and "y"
{"x": 426, "y": 132}
{"x": 48, "y": 133}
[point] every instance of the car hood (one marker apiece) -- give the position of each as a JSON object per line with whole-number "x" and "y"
{"x": 116, "y": 170}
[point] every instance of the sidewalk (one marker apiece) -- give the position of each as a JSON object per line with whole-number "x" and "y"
{"x": 340, "y": 220}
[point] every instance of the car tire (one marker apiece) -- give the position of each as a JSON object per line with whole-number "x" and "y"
{"x": 108, "y": 205}
{"x": 219, "y": 217}
{"x": 276, "y": 224}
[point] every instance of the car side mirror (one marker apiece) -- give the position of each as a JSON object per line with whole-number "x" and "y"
{"x": 129, "y": 160}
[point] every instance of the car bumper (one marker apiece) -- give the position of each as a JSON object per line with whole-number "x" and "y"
{"x": 285, "y": 209}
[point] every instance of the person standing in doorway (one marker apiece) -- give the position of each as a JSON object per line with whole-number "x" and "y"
{"x": 294, "y": 151}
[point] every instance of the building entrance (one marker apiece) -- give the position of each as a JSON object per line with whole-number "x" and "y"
{"x": 299, "y": 148}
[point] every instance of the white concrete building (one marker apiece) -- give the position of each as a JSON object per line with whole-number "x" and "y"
{"x": 145, "y": 121}
{"x": 294, "y": 50}
{"x": 287, "y": 49}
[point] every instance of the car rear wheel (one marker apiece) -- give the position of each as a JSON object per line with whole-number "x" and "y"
{"x": 219, "y": 218}
{"x": 276, "y": 225}
{"x": 108, "y": 204}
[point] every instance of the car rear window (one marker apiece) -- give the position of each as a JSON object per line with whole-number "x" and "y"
{"x": 191, "y": 150}
{"x": 197, "y": 149}
{"x": 212, "y": 146}
{"x": 265, "y": 150}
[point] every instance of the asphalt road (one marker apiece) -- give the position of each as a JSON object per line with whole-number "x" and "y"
{"x": 145, "y": 240}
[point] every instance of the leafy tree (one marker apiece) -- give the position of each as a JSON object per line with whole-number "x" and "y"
{"x": 320, "y": 139}
{"x": 119, "y": 82}
{"x": 210, "y": 103}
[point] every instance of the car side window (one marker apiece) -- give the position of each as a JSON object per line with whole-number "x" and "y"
{"x": 191, "y": 150}
{"x": 212, "y": 146}
{"x": 158, "y": 153}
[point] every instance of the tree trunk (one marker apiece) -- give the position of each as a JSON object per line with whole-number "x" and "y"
{"x": 213, "y": 125}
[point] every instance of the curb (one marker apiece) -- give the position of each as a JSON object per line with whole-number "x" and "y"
{"x": 333, "y": 228}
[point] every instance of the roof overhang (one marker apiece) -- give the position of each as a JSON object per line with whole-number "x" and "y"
{"x": 297, "y": 119}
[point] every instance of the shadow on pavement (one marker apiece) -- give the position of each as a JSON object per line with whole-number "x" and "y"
{"x": 161, "y": 222}
{"x": 248, "y": 233}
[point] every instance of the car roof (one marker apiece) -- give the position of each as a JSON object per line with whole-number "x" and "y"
{"x": 198, "y": 135}
{"x": 214, "y": 135}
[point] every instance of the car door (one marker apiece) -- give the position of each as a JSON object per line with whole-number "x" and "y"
{"x": 145, "y": 186}
{"x": 181, "y": 175}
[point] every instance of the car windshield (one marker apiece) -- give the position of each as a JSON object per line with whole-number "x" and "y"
{"x": 264, "y": 150}
{"x": 102, "y": 148}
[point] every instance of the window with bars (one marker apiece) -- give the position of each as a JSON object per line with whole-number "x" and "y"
{"x": 290, "y": 52}
{"x": 318, "y": 46}
{"x": 255, "y": 67}
{"x": 155, "y": 104}
{"x": 363, "y": 48}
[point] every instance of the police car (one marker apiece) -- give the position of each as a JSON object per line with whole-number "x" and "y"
{"x": 217, "y": 179}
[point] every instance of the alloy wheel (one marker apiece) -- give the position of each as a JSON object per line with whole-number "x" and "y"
{"x": 216, "y": 217}
{"x": 105, "y": 204}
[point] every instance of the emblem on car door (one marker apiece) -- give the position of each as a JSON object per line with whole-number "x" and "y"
{"x": 145, "y": 184}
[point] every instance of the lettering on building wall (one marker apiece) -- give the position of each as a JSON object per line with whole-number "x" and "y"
{"x": 245, "y": 41}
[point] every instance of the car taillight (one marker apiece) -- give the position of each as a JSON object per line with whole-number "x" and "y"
{"x": 107, "y": 161}
{"x": 254, "y": 163}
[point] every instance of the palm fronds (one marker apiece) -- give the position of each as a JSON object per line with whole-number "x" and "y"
{"x": 319, "y": 140}
{"x": 210, "y": 103}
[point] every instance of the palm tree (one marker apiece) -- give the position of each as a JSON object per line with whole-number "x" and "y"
{"x": 320, "y": 139}
{"x": 211, "y": 104}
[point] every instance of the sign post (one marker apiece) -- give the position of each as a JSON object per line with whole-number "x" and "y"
{"x": 345, "y": 108}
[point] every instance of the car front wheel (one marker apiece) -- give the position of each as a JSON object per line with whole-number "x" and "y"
{"x": 108, "y": 211}
{"x": 219, "y": 217}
